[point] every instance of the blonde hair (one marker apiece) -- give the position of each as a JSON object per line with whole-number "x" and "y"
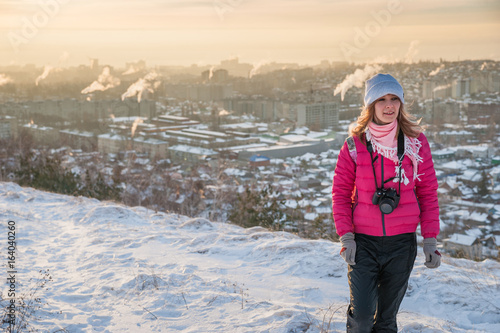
{"x": 407, "y": 122}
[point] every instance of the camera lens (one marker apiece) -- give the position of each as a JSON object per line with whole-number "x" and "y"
{"x": 386, "y": 206}
{"x": 386, "y": 199}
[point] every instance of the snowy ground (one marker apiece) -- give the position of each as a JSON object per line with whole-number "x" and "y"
{"x": 120, "y": 269}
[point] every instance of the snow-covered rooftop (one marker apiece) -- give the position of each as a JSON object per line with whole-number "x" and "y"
{"x": 461, "y": 239}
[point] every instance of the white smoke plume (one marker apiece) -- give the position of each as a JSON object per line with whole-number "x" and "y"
{"x": 4, "y": 79}
{"x": 256, "y": 68}
{"x": 131, "y": 70}
{"x": 434, "y": 72}
{"x": 149, "y": 83}
{"x": 483, "y": 66}
{"x": 137, "y": 121}
{"x": 46, "y": 71}
{"x": 442, "y": 87}
{"x": 211, "y": 73}
{"x": 412, "y": 52}
{"x": 104, "y": 82}
{"x": 357, "y": 79}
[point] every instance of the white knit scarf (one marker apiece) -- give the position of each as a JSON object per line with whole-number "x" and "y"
{"x": 412, "y": 147}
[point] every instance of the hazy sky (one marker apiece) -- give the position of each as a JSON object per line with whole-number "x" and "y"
{"x": 207, "y": 31}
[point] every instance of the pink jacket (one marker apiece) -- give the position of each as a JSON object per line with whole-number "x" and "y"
{"x": 353, "y": 188}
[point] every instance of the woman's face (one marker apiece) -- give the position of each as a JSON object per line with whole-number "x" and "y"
{"x": 386, "y": 109}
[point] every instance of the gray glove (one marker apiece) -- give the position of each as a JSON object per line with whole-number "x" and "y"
{"x": 432, "y": 255}
{"x": 348, "y": 251}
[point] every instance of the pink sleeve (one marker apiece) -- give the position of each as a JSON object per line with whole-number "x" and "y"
{"x": 426, "y": 189}
{"x": 342, "y": 189}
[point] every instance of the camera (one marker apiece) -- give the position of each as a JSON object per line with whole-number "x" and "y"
{"x": 387, "y": 199}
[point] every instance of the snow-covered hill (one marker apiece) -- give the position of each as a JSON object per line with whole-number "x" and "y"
{"x": 120, "y": 269}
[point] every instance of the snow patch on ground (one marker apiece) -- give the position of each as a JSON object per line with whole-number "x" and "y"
{"x": 123, "y": 269}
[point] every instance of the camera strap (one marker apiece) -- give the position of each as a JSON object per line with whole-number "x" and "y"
{"x": 401, "y": 154}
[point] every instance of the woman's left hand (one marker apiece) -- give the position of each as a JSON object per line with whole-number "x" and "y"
{"x": 432, "y": 255}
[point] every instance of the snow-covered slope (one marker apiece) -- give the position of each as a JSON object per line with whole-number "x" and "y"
{"x": 120, "y": 269}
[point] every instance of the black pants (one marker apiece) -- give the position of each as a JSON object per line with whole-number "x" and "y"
{"x": 379, "y": 280}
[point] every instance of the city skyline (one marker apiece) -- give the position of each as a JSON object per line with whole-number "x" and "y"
{"x": 255, "y": 31}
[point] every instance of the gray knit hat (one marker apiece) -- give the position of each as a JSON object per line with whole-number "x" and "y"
{"x": 380, "y": 85}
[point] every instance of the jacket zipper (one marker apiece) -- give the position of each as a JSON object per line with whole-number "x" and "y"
{"x": 382, "y": 182}
{"x": 355, "y": 202}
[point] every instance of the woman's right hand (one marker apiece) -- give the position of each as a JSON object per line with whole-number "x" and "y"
{"x": 348, "y": 251}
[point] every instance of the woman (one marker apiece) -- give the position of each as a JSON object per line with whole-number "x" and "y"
{"x": 381, "y": 193}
